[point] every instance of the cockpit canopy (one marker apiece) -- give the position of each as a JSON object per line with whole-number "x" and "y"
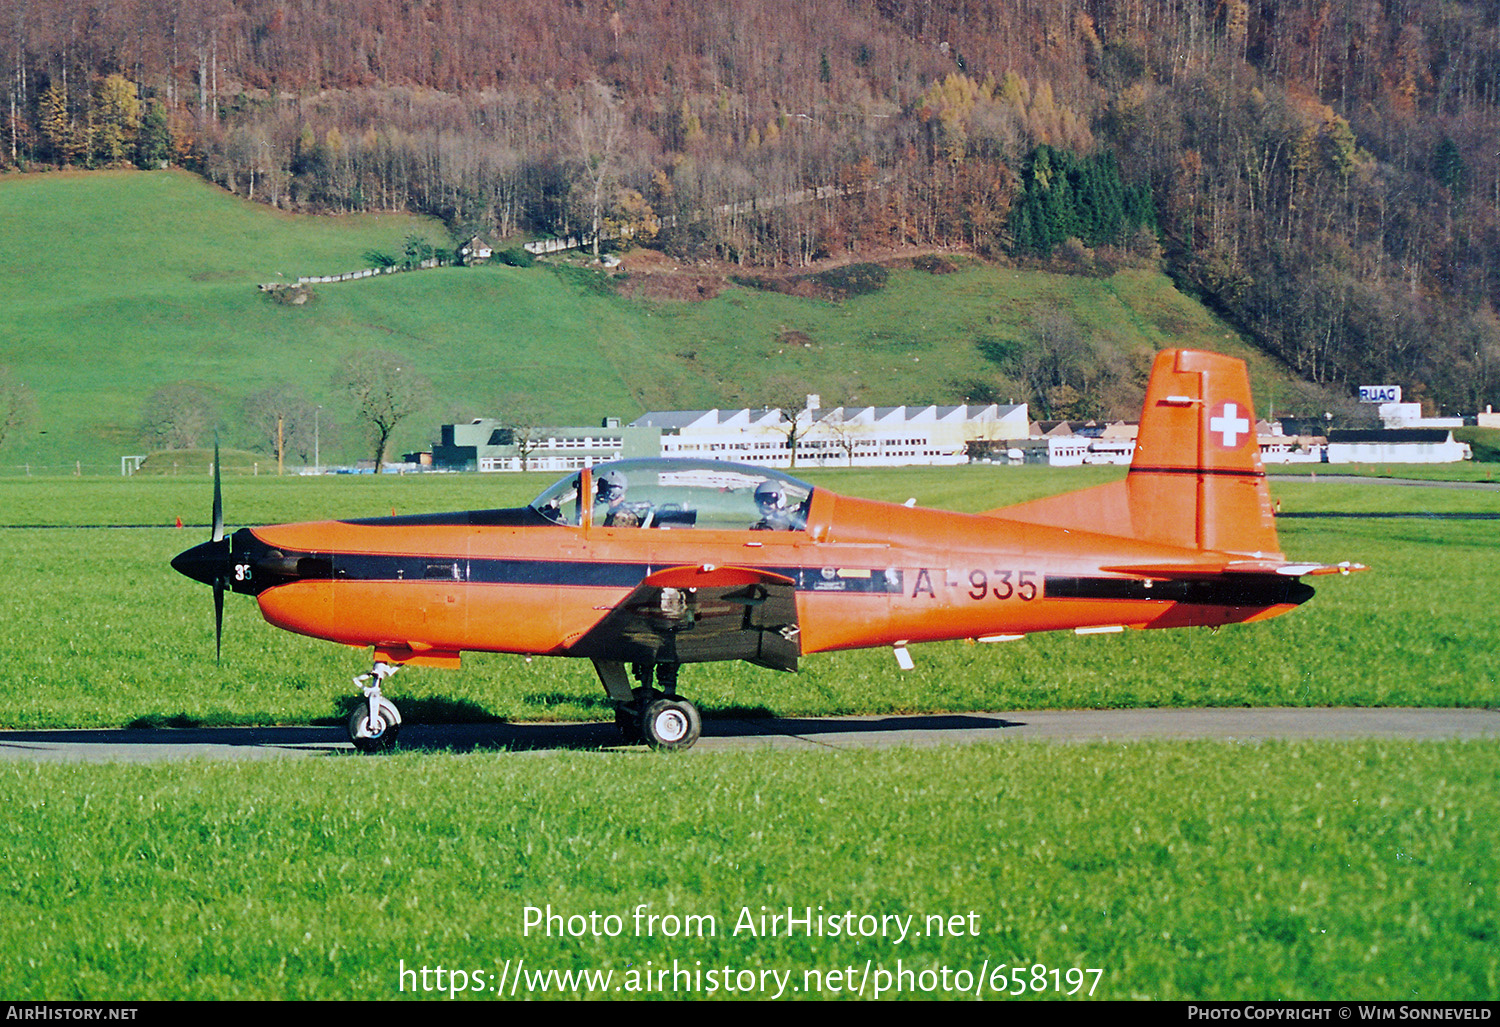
{"x": 673, "y": 493}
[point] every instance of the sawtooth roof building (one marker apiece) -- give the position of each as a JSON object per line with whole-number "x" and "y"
{"x": 835, "y": 437}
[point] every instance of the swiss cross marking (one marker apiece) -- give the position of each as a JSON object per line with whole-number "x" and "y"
{"x": 1229, "y": 425}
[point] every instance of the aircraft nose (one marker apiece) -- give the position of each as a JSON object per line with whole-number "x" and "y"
{"x": 205, "y": 562}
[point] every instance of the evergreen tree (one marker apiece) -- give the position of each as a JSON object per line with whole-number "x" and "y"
{"x": 1065, "y": 197}
{"x": 153, "y": 141}
{"x": 1448, "y": 167}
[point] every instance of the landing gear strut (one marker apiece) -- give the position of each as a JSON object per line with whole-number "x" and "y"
{"x": 651, "y": 711}
{"x": 374, "y": 724}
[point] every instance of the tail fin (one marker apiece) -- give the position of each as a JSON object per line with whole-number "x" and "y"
{"x": 1196, "y": 480}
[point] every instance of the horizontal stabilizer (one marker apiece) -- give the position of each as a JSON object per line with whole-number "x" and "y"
{"x": 1299, "y": 569}
{"x": 1214, "y": 568}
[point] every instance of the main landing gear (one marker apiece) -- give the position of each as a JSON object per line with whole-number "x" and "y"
{"x": 375, "y": 722}
{"x": 652, "y": 711}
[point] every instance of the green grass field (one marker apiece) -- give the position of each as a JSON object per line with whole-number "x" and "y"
{"x": 158, "y": 286}
{"x": 1177, "y": 870}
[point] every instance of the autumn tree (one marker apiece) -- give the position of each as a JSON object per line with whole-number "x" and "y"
{"x": 631, "y": 218}
{"x": 116, "y": 119}
{"x": 384, "y": 390}
{"x": 1310, "y": 164}
{"x": 58, "y": 129}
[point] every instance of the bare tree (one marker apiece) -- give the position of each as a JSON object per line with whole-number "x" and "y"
{"x": 17, "y": 405}
{"x": 178, "y": 416}
{"x": 522, "y": 416}
{"x": 385, "y": 391}
{"x": 789, "y": 395}
{"x": 598, "y": 130}
{"x": 1054, "y": 358}
{"x": 845, "y": 431}
{"x": 280, "y": 415}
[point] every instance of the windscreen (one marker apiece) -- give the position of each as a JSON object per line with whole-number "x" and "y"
{"x": 683, "y": 494}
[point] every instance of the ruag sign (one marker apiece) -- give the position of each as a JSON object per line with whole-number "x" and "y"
{"x": 1380, "y": 393}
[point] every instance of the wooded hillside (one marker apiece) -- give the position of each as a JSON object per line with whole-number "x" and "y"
{"x": 1324, "y": 171}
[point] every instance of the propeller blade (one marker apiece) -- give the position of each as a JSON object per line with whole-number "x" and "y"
{"x": 210, "y": 562}
{"x": 218, "y": 496}
{"x": 218, "y": 619}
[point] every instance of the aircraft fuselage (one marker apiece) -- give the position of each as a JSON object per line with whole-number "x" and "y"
{"x": 865, "y": 573}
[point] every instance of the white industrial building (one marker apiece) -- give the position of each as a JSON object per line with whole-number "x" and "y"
{"x": 838, "y": 436}
{"x": 1395, "y": 446}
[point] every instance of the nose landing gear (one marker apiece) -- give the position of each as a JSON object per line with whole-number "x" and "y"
{"x": 375, "y": 723}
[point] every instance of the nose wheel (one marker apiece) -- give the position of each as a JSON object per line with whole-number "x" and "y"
{"x": 375, "y": 722}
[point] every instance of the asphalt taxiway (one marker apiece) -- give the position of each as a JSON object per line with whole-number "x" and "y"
{"x": 1234, "y": 724}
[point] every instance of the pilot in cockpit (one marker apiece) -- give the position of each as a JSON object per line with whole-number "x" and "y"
{"x": 611, "y": 492}
{"x": 775, "y": 514}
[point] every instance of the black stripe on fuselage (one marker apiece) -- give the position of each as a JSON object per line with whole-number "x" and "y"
{"x": 270, "y": 568}
{"x": 1227, "y": 590}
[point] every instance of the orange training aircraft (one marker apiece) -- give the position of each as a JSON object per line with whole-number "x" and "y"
{"x": 644, "y": 565}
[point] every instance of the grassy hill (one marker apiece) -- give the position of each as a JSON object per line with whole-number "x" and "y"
{"x": 114, "y": 284}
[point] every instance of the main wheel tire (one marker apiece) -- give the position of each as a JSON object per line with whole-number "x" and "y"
{"x": 671, "y": 724}
{"x": 375, "y": 737}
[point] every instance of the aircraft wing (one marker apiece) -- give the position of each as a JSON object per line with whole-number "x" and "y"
{"x": 697, "y": 614}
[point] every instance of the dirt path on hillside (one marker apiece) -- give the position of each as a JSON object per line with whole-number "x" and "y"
{"x": 653, "y": 275}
